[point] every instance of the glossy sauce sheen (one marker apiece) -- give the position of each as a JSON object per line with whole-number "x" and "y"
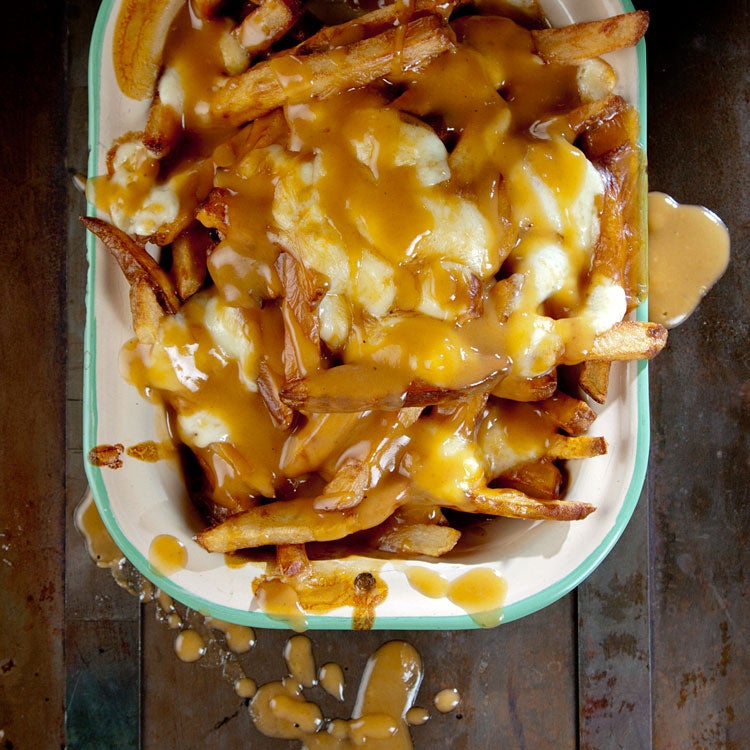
{"x": 688, "y": 252}
{"x": 402, "y": 269}
{"x": 384, "y": 707}
{"x": 386, "y": 250}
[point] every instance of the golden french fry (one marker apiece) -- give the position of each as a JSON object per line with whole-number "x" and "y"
{"x": 579, "y": 41}
{"x": 297, "y": 522}
{"x": 145, "y": 310}
{"x": 292, "y": 559}
{"x": 628, "y": 340}
{"x": 431, "y": 540}
{"x": 213, "y": 211}
{"x": 361, "y": 387}
{"x": 593, "y": 380}
{"x": 266, "y": 24}
{"x": 134, "y": 261}
{"x": 138, "y": 43}
{"x": 163, "y": 129}
{"x": 370, "y": 24}
{"x": 377, "y": 455}
{"x": 514, "y": 504}
{"x": 321, "y": 436}
{"x": 581, "y": 446}
{"x": 269, "y": 387}
{"x": 527, "y": 389}
{"x": 570, "y": 414}
{"x": 322, "y": 74}
{"x": 540, "y": 479}
{"x": 189, "y": 252}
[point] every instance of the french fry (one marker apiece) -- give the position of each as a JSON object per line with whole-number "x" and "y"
{"x": 581, "y": 41}
{"x": 355, "y": 474}
{"x": 370, "y": 24}
{"x": 163, "y": 129}
{"x": 266, "y": 24}
{"x": 628, "y": 340}
{"x": 145, "y": 310}
{"x": 297, "y": 522}
{"x": 138, "y": 43}
{"x": 593, "y": 380}
{"x": 569, "y": 414}
{"x": 540, "y": 479}
{"x": 514, "y": 504}
{"x": 322, "y": 74}
{"x": 356, "y": 388}
{"x": 430, "y": 540}
{"x": 135, "y": 262}
{"x": 292, "y": 559}
{"x": 189, "y": 252}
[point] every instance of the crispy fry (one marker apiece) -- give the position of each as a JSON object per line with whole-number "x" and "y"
{"x": 568, "y": 413}
{"x": 593, "y": 380}
{"x": 527, "y": 389}
{"x": 370, "y": 24}
{"x": 146, "y": 311}
{"x": 269, "y": 387}
{"x": 266, "y": 24}
{"x": 297, "y": 522}
{"x": 322, "y": 74}
{"x": 514, "y": 504}
{"x": 356, "y": 388}
{"x": 629, "y": 340}
{"x": 580, "y": 41}
{"x": 431, "y": 540}
{"x": 375, "y": 457}
{"x": 189, "y": 252}
{"x": 138, "y": 43}
{"x": 540, "y": 479}
{"x": 322, "y": 435}
{"x": 163, "y": 129}
{"x": 134, "y": 261}
{"x": 292, "y": 559}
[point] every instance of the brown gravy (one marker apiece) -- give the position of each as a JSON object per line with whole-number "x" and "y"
{"x": 688, "y": 250}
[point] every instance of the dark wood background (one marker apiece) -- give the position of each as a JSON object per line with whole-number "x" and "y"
{"x": 651, "y": 651}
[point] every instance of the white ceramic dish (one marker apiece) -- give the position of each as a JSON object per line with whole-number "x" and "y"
{"x": 540, "y": 561}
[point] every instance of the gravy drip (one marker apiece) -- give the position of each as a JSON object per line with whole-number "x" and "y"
{"x": 688, "y": 252}
{"x": 383, "y": 709}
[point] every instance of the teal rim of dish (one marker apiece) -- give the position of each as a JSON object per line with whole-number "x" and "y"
{"x": 511, "y": 612}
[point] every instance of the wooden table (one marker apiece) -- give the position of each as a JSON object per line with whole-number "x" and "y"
{"x": 651, "y": 651}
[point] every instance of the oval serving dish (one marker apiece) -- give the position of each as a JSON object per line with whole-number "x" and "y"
{"x": 540, "y": 561}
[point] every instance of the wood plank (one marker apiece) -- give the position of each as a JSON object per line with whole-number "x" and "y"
{"x": 32, "y": 375}
{"x": 700, "y": 497}
{"x": 614, "y": 648}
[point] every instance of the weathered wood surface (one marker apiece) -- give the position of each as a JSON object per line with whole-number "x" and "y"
{"x": 650, "y": 652}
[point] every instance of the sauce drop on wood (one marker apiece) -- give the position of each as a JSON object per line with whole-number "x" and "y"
{"x": 189, "y": 645}
{"x": 331, "y": 679}
{"x": 300, "y": 660}
{"x": 688, "y": 251}
{"x": 446, "y": 700}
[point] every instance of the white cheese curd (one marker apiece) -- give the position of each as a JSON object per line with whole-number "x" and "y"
{"x": 605, "y": 305}
{"x": 171, "y": 90}
{"x": 160, "y": 207}
{"x": 237, "y": 337}
{"x": 201, "y": 428}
